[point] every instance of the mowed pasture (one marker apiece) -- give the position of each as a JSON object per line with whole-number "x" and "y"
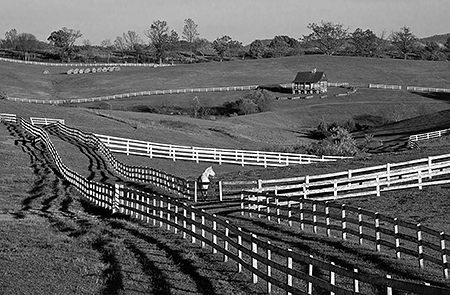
{"x": 285, "y": 125}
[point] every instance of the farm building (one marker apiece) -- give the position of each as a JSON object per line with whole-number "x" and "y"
{"x": 310, "y": 83}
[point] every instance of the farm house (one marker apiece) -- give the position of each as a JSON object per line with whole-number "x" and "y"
{"x": 310, "y": 83}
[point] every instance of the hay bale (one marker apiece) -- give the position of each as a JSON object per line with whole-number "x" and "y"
{"x": 87, "y": 71}
{"x": 81, "y": 71}
{"x": 105, "y": 69}
{"x": 46, "y": 72}
{"x": 76, "y": 71}
{"x": 116, "y": 68}
{"x": 94, "y": 70}
{"x": 99, "y": 69}
{"x": 70, "y": 72}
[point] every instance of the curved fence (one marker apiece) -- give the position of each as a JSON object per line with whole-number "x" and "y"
{"x": 54, "y": 64}
{"x": 427, "y": 245}
{"x": 153, "y": 176}
{"x": 133, "y": 94}
{"x": 277, "y": 267}
{"x": 200, "y": 154}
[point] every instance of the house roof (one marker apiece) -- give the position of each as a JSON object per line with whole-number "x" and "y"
{"x": 309, "y": 77}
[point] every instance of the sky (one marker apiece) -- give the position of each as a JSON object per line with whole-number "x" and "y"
{"x": 242, "y": 20}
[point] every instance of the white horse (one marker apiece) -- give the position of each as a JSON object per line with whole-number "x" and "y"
{"x": 204, "y": 180}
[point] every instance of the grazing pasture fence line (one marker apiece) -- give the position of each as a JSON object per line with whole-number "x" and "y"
{"x": 134, "y": 94}
{"x": 383, "y": 86}
{"x": 215, "y": 155}
{"x": 427, "y": 89}
{"x": 352, "y": 183}
{"x": 45, "y": 121}
{"x": 276, "y": 266}
{"x": 52, "y": 64}
{"x": 427, "y": 245}
{"x": 429, "y": 135}
{"x": 4, "y": 117}
{"x": 178, "y": 185}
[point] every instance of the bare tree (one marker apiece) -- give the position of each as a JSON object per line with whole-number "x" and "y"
{"x": 133, "y": 43}
{"x": 107, "y": 45}
{"x": 159, "y": 38}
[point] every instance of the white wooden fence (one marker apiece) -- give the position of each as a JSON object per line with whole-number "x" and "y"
{"x": 427, "y": 89}
{"x": 4, "y": 117}
{"x": 53, "y": 64}
{"x": 383, "y": 86}
{"x": 200, "y": 154}
{"x": 354, "y": 182}
{"x": 45, "y": 121}
{"x": 277, "y": 266}
{"x": 429, "y": 135}
{"x": 427, "y": 245}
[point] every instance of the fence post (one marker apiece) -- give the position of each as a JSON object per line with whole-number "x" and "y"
{"x": 214, "y": 237}
{"x": 419, "y": 245}
{"x": 360, "y": 225}
{"x": 327, "y": 219}
{"x": 419, "y": 179}
{"x": 355, "y": 282}
{"x": 225, "y": 245}
{"x": 203, "y": 228}
{"x": 302, "y": 225}
{"x": 176, "y": 218}
{"x": 388, "y": 287}
{"x": 254, "y": 261}
{"x": 310, "y": 274}
{"x": 289, "y": 266}
{"x": 314, "y": 211}
{"x": 193, "y": 226}
{"x": 239, "y": 241}
{"x": 377, "y": 232}
{"x": 116, "y": 199}
{"x": 343, "y": 222}
{"x": 269, "y": 268}
{"x": 220, "y": 190}
{"x": 168, "y": 215}
{"x": 444, "y": 256}
{"x": 332, "y": 278}
{"x": 397, "y": 238}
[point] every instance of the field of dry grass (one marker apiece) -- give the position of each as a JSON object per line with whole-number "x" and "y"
{"x": 47, "y": 226}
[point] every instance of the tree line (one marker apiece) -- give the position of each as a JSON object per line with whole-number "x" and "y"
{"x": 164, "y": 45}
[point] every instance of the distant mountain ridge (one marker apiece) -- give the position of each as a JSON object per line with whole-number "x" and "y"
{"x": 441, "y": 38}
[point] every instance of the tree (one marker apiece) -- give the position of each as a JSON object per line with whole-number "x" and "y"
{"x": 404, "y": 41}
{"x": 64, "y": 39}
{"x": 205, "y": 48}
{"x": 107, "y": 45}
{"x": 119, "y": 44}
{"x": 433, "y": 51}
{"x": 284, "y": 46}
{"x": 26, "y": 42}
{"x": 132, "y": 42}
{"x": 257, "y": 49}
{"x": 10, "y": 38}
{"x": 159, "y": 38}
{"x": 365, "y": 43}
{"x": 327, "y": 37}
{"x": 190, "y": 33}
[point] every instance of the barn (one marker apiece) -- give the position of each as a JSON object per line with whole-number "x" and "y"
{"x": 310, "y": 82}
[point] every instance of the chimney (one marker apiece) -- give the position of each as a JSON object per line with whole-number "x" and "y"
{"x": 314, "y": 71}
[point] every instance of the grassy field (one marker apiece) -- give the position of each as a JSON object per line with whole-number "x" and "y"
{"x": 47, "y": 226}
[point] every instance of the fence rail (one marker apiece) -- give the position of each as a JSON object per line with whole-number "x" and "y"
{"x": 277, "y": 266}
{"x": 427, "y": 89}
{"x": 154, "y": 65}
{"x": 429, "y": 135}
{"x": 352, "y": 183}
{"x": 4, "y": 117}
{"x": 156, "y": 177}
{"x": 45, "y": 121}
{"x": 200, "y": 154}
{"x": 383, "y": 86}
{"x": 427, "y": 245}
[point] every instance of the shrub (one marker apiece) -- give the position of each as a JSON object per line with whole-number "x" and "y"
{"x": 338, "y": 143}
